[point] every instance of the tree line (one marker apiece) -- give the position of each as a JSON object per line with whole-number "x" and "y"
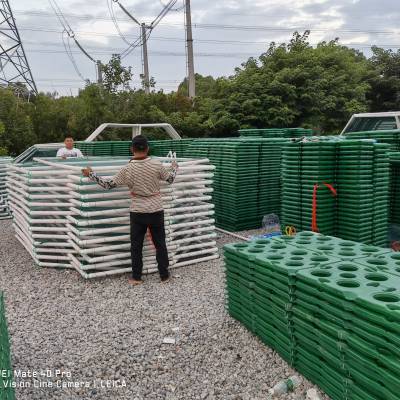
{"x": 289, "y": 85}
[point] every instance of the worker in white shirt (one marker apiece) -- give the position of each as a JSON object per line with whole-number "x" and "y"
{"x": 69, "y": 151}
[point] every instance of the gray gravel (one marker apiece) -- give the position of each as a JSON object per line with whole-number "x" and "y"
{"x": 94, "y": 331}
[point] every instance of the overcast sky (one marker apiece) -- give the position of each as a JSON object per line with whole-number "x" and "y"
{"x": 226, "y": 33}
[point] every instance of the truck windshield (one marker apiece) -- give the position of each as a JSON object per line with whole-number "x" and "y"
{"x": 363, "y": 124}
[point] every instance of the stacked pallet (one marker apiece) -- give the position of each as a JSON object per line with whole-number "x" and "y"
{"x": 333, "y": 319}
{"x": 276, "y": 132}
{"x": 66, "y": 221}
{"x": 247, "y": 179}
{"x": 390, "y": 137}
{"x": 4, "y": 209}
{"x": 269, "y": 176}
{"x": 7, "y": 374}
{"x": 305, "y": 165}
{"x": 158, "y": 148}
{"x": 394, "y": 187}
{"x": 358, "y": 170}
{"x": 110, "y": 148}
{"x": 161, "y": 148}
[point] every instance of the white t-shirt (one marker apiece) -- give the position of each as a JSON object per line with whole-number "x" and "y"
{"x": 64, "y": 152}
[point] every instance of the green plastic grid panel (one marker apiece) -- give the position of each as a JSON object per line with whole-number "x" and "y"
{"x": 6, "y": 390}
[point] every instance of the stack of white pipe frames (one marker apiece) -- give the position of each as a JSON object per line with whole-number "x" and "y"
{"x": 4, "y": 209}
{"x": 66, "y": 221}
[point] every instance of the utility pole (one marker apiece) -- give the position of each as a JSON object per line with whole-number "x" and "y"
{"x": 146, "y": 76}
{"x": 14, "y": 66}
{"x": 189, "y": 44}
{"x": 146, "y": 31}
{"x": 99, "y": 73}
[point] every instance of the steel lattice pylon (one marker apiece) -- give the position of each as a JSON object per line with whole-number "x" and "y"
{"x": 14, "y": 66}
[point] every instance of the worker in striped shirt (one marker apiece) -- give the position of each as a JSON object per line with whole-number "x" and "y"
{"x": 142, "y": 175}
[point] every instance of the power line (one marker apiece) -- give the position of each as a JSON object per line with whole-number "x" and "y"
{"x": 218, "y": 42}
{"x": 146, "y": 31}
{"x": 200, "y": 25}
{"x": 158, "y": 53}
{"x": 70, "y": 35}
{"x": 103, "y": 17}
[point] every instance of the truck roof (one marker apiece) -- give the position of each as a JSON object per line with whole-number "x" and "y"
{"x": 378, "y": 114}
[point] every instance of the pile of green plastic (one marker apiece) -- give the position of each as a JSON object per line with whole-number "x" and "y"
{"x": 246, "y": 181}
{"x": 269, "y": 176}
{"x": 395, "y": 187}
{"x": 6, "y": 389}
{"x": 235, "y": 181}
{"x": 363, "y": 184}
{"x": 358, "y": 170}
{"x": 105, "y": 148}
{"x": 303, "y": 166}
{"x": 391, "y": 137}
{"x": 276, "y": 132}
{"x": 158, "y": 148}
{"x": 329, "y": 307}
{"x": 161, "y": 148}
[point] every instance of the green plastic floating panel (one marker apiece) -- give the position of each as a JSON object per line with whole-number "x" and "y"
{"x": 357, "y": 169}
{"x": 333, "y": 316}
{"x": 6, "y": 390}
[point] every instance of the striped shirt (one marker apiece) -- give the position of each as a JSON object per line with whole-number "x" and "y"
{"x": 143, "y": 180}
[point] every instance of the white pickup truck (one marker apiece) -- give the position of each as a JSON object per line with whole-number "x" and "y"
{"x": 373, "y": 122}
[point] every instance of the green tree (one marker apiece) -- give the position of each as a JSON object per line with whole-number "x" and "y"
{"x": 385, "y": 84}
{"x": 297, "y": 85}
{"x": 115, "y": 76}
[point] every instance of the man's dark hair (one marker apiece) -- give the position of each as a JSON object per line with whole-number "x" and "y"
{"x": 140, "y": 143}
{"x": 68, "y": 136}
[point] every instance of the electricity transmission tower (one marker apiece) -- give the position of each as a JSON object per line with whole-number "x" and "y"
{"x": 14, "y": 66}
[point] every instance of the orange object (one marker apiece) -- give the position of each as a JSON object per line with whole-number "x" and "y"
{"x": 314, "y": 226}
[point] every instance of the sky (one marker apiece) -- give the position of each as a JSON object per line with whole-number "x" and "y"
{"x": 226, "y": 33}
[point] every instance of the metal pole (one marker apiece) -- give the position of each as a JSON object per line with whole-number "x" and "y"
{"x": 146, "y": 77}
{"x": 189, "y": 44}
{"x": 99, "y": 73}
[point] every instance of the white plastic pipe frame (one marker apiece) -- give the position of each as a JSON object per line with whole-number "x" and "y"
{"x": 66, "y": 221}
{"x": 4, "y": 207}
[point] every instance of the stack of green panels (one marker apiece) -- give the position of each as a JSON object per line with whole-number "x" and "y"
{"x": 390, "y": 137}
{"x": 357, "y": 169}
{"x": 161, "y": 148}
{"x": 303, "y": 166}
{"x": 355, "y": 185}
{"x": 297, "y": 132}
{"x": 395, "y": 187}
{"x": 347, "y": 325}
{"x": 270, "y": 180}
{"x": 6, "y": 379}
{"x": 247, "y": 178}
{"x": 235, "y": 185}
{"x": 276, "y": 132}
{"x": 335, "y": 318}
{"x": 158, "y": 148}
{"x": 345, "y": 250}
{"x": 381, "y": 194}
{"x": 363, "y": 184}
{"x": 267, "y": 133}
{"x": 260, "y": 286}
{"x": 105, "y": 148}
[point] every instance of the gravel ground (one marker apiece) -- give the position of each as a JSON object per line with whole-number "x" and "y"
{"x": 106, "y": 333}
